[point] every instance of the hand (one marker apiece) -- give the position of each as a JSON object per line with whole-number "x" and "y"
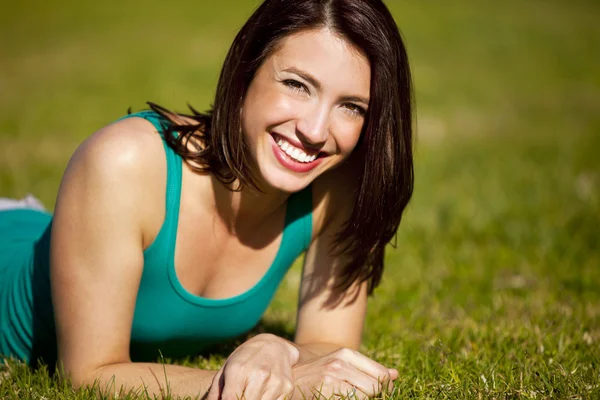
{"x": 260, "y": 368}
{"x": 344, "y": 373}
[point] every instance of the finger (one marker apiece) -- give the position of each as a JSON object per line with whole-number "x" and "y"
{"x": 364, "y": 363}
{"x": 389, "y": 383}
{"x": 341, "y": 389}
{"x": 254, "y": 389}
{"x": 272, "y": 387}
{"x": 393, "y": 376}
{"x": 234, "y": 392}
{"x": 348, "y": 373}
{"x": 273, "y": 393}
{"x": 215, "y": 388}
{"x": 302, "y": 389}
{"x": 350, "y": 392}
{"x": 233, "y": 385}
{"x": 324, "y": 385}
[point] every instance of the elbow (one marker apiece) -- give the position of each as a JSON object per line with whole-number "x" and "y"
{"x": 81, "y": 377}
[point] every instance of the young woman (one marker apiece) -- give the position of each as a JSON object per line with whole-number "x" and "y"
{"x": 307, "y": 148}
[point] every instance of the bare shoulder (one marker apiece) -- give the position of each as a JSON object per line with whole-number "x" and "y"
{"x": 123, "y": 162}
{"x": 107, "y": 199}
{"x": 131, "y": 145}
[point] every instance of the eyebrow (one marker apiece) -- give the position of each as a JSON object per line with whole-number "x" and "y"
{"x": 314, "y": 82}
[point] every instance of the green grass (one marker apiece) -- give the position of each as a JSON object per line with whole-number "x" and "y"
{"x": 493, "y": 290}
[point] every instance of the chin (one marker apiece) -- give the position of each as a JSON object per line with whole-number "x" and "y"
{"x": 285, "y": 182}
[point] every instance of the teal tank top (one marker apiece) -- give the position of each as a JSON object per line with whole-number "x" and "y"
{"x": 168, "y": 320}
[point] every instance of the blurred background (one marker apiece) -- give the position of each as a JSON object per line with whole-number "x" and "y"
{"x": 497, "y": 257}
{"x": 483, "y": 71}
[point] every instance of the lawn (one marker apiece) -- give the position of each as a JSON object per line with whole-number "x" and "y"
{"x": 492, "y": 289}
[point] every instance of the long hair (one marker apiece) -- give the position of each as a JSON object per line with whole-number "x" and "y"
{"x": 385, "y": 179}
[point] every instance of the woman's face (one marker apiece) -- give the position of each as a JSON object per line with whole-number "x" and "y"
{"x": 305, "y": 108}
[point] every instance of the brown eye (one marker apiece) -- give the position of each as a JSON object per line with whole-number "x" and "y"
{"x": 355, "y": 109}
{"x": 295, "y": 85}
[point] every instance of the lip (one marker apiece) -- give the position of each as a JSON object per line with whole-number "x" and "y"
{"x": 297, "y": 144}
{"x": 289, "y": 162}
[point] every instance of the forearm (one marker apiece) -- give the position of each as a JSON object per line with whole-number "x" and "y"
{"x": 157, "y": 380}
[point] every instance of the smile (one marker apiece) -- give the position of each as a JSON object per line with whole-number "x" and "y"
{"x": 294, "y": 158}
{"x": 294, "y": 152}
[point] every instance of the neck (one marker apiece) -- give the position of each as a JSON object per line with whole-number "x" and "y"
{"x": 244, "y": 211}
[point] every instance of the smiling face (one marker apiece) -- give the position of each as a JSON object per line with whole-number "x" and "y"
{"x": 304, "y": 110}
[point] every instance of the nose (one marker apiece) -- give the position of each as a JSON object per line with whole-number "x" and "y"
{"x": 313, "y": 126}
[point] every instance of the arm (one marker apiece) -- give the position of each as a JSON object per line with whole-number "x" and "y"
{"x": 323, "y": 327}
{"x": 155, "y": 379}
{"x": 275, "y": 366}
{"x": 330, "y": 322}
{"x": 327, "y": 318}
{"x": 99, "y": 230}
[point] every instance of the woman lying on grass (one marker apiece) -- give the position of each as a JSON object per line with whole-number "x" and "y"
{"x": 307, "y": 148}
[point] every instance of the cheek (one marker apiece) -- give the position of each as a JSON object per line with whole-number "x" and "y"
{"x": 265, "y": 109}
{"x": 349, "y": 134}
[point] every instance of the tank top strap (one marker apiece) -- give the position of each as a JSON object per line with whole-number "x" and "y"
{"x": 173, "y": 163}
{"x": 298, "y": 219}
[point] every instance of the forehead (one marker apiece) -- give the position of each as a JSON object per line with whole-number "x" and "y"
{"x": 331, "y": 59}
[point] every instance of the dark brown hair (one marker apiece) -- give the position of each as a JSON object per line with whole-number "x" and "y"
{"x": 385, "y": 174}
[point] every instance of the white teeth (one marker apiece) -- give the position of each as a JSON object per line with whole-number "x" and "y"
{"x": 294, "y": 152}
